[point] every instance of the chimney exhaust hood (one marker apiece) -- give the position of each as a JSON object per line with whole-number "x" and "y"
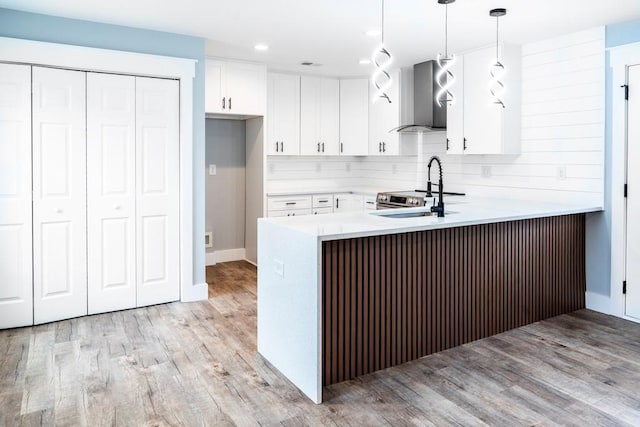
{"x": 428, "y": 116}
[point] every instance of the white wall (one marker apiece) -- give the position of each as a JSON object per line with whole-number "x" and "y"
{"x": 562, "y": 134}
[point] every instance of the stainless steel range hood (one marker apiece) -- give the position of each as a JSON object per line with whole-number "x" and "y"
{"x": 428, "y": 116}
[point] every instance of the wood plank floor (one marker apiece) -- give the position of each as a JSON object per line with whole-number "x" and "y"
{"x": 196, "y": 364}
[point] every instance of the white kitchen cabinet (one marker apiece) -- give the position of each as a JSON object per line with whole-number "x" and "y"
{"x": 348, "y": 202}
{"x": 16, "y": 281}
{"x": 383, "y": 117}
{"x": 283, "y": 114}
{"x": 234, "y": 88}
{"x": 59, "y": 195}
{"x": 319, "y": 116}
{"x": 483, "y": 127}
{"x": 111, "y": 197}
{"x": 369, "y": 202}
{"x": 354, "y": 117}
{"x": 455, "y": 110}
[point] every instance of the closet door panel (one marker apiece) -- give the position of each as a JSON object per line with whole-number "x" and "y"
{"x": 59, "y": 194}
{"x": 157, "y": 198}
{"x": 16, "y": 290}
{"x": 111, "y": 192}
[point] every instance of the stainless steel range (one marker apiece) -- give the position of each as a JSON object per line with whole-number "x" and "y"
{"x": 400, "y": 199}
{"x": 406, "y": 199}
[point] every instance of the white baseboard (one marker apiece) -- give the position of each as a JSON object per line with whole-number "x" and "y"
{"x": 197, "y": 292}
{"x": 600, "y": 303}
{"x": 212, "y": 258}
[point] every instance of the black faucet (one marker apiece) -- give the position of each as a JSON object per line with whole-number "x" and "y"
{"x": 440, "y": 207}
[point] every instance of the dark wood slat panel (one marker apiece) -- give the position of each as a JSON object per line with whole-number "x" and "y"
{"x": 394, "y": 298}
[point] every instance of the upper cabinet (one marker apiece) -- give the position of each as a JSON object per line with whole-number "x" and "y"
{"x": 283, "y": 114}
{"x": 235, "y": 88}
{"x": 383, "y": 117}
{"x": 475, "y": 125}
{"x": 319, "y": 116}
{"x": 354, "y": 117}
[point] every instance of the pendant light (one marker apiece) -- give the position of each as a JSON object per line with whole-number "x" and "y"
{"x": 496, "y": 69}
{"x": 444, "y": 77}
{"x": 382, "y": 60}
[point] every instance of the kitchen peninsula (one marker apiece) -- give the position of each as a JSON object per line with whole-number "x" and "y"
{"x": 343, "y": 295}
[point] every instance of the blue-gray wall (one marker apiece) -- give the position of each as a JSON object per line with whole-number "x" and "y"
{"x": 54, "y": 29}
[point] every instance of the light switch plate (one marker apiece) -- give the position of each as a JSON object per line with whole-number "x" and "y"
{"x": 561, "y": 173}
{"x": 212, "y": 169}
{"x": 485, "y": 171}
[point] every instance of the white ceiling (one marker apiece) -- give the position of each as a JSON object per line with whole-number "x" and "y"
{"x": 331, "y": 32}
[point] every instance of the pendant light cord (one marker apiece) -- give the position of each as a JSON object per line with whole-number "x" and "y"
{"x": 497, "y": 35}
{"x": 446, "y": 30}
{"x": 382, "y": 31}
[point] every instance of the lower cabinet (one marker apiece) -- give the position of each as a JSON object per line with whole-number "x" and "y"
{"x": 318, "y": 204}
{"x": 95, "y": 186}
{"x": 349, "y": 202}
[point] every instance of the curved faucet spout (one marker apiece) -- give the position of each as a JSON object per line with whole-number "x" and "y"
{"x": 440, "y": 207}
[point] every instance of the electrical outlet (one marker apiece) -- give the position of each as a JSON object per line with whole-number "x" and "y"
{"x": 485, "y": 171}
{"x": 561, "y": 173}
{"x": 278, "y": 267}
{"x": 212, "y": 169}
{"x": 208, "y": 239}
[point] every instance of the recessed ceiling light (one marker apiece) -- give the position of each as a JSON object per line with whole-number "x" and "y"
{"x": 262, "y": 47}
{"x": 373, "y": 33}
{"x": 365, "y": 61}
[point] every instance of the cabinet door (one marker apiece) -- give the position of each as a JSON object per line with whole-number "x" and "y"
{"x": 245, "y": 89}
{"x": 59, "y": 196}
{"x": 157, "y": 198}
{"x": 384, "y": 116}
{"x": 455, "y": 110}
{"x": 111, "y": 192}
{"x": 354, "y": 117}
{"x": 215, "y": 97}
{"x": 16, "y": 289}
{"x": 310, "y": 110}
{"x": 329, "y": 127}
{"x": 283, "y": 115}
{"x": 348, "y": 203}
{"x": 482, "y": 119}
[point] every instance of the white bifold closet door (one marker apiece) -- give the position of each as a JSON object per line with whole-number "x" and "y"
{"x": 157, "y": 191}
{"x": 59, "y": 195}
{"x": 111, "y": 190}
{"x": 16, "y": 299}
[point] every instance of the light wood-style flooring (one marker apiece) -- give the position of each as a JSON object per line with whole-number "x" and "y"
{"x": 196, "y": 364}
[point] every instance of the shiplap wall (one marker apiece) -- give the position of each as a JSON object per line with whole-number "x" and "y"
{"x": 562, "y": 155}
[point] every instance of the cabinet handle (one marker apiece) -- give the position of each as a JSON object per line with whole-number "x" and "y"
{"x": 277, "y": 150}
{"x": 447, "y": 144}
{"x": 290, "y": 203}
{"x": 281, "y": 147}
{"x": 323, "y": 201}
{"x": 464, "y": 143}
{"x": 341, "y": 147}
{"x": 384, "y": 147}
{"x": 318, "y": 147}
{"x": 229, "y": 104}
{"x": 379, "y": 147}
{"x": 370, "y": 203}
{"x": 323, "y": 147}
{"x": 337, "y": 203}
{"x": 224, "y": 100}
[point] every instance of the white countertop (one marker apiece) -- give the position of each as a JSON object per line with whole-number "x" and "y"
{"x": 461, "y": 211}
{"x": 353, "y": 190}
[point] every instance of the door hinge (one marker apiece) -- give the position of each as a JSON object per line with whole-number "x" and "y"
{"x": 626, "y": 92}
{"x": 624, "y": 287}
{"x": 625, "y": 190}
